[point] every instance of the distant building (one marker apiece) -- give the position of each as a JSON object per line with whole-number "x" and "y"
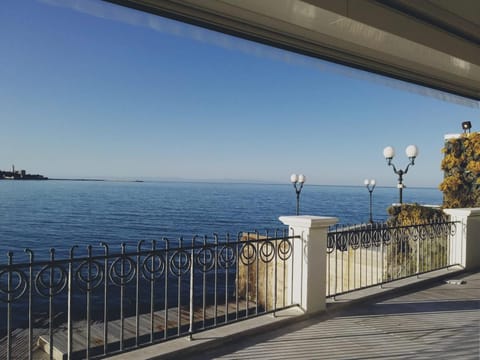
{"x": 19, "y": 175}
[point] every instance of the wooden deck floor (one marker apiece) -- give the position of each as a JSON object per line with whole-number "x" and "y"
{"x": 79, "y": 330}
{"x": 438, "y": 321}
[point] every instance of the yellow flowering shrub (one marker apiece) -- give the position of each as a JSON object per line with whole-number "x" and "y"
{"x": 461, "y": 164}
{"x": 414, "y": 214}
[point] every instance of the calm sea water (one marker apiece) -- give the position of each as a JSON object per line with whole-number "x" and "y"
{"x": 44, "y": 214}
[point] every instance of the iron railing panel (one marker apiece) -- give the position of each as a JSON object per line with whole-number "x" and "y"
{"x": 131, "y": 298}
{"x": 364, "y": 255}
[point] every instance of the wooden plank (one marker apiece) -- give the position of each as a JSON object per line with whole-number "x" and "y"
{"x": 79, "y": 328}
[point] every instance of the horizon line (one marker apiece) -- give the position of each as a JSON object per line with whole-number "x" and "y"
{"x": 218, "y": 181}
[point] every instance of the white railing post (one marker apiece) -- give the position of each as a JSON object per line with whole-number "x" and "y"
{"x": 465, "y": 243}
{"x": 308, "y": 288}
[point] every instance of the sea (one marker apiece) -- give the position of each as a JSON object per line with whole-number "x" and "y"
{"x": 41, "y": 215}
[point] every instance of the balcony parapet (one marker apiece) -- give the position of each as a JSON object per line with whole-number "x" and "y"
{"x": 465, "y": 245}
{"x": 309, "y": 266}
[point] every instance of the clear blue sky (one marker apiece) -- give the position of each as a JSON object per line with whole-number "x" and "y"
{"x": 89, "y": 89}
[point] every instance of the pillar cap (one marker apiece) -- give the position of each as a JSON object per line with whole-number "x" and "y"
{"x": 463, "y": 211}
{"x": 308, "y": 221}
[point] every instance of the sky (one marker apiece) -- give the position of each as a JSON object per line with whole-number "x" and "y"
{"x": 89, "y": 89}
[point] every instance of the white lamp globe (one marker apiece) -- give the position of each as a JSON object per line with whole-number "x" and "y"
{"x": 366, "y": 182}
{"x": 373, "y": 182}
{"x": 411, "y": 151}
{"x": 302, "y": 178}
{"x": 293, "y": 178}
{"x": 389, "y": 152}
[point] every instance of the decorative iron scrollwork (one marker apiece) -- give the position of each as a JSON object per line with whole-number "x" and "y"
{"x": 248, "y": 253}
{"x": 50, "y": 280}
{"x": 180, "y": 263}
{"x": 205, "y": 258}
{"x": 284, "y": 249}
{"x": 227, "y": 256}
{"x": 353, "y": 239}
{"x": 153, "y": 266}
{"x": 17, "y": 287}
{"x": 366, "y": 238}
{"x": 267, "y": 251}
{"x": 376, "y": 238}
{"x": 375, "y": 235}
{"x": 122, "y": 270}
{"x": 89, "y": 275}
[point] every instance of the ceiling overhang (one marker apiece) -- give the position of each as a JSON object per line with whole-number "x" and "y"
{"x": 435, "y": 43}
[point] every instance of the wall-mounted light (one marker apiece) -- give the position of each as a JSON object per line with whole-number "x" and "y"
{"x": 466, "y": 126}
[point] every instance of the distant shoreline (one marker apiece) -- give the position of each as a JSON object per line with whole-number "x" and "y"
{"x": 97, "y": 180}
{"x": 27, "y": 178}
{"x": 62, "y": 179}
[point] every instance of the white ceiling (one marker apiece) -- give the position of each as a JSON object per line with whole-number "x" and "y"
{"x": 435, "y": 43}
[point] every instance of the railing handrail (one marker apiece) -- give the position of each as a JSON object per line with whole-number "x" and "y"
{"x": 113, "y": 255}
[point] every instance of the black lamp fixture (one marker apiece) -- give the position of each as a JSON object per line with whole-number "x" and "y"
{"x": 389, "y": 153}
{"x": 370, "y": 184}
{"x": 298, "y": 181}
{"x": 466, "y": 126}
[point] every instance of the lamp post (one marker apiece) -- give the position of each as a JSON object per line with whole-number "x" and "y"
{"x": 370, "y": 184}
{"x": 298, "y": 182}
{"x": 389, "y": 153}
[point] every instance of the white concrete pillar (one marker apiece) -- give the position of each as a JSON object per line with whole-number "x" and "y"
{"x": 465, "y": 244}
{"x": 309, "y": 260}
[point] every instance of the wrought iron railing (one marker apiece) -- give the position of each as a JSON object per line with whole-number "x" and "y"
{"x": 104, "y": 302}
{"x": 360, "y": 256}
